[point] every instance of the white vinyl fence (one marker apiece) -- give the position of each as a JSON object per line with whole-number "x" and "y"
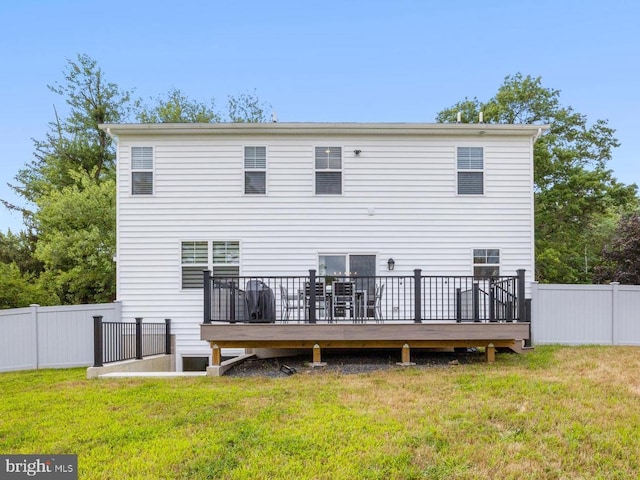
{"x": 585, "y": 314}
{"x": 50, "y": 337}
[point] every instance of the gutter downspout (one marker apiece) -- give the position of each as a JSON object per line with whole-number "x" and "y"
{"x": 535, "y": 137}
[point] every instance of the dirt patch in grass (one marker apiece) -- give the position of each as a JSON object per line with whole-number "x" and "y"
{"x": 351, "y": 362}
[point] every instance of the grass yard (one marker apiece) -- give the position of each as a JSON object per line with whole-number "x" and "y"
{"x": 556, "y": 412}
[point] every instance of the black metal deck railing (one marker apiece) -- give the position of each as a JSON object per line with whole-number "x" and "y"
{"x": 118, "y": 341}
{"x": 312, "y": 298}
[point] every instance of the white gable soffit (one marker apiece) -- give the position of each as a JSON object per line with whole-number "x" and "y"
{"x": 465, "y": 129}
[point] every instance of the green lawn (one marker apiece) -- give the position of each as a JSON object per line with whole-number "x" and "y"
{"x": 553, "y": 413}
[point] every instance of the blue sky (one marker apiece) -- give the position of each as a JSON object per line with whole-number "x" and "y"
{"x": 368, "y": 61}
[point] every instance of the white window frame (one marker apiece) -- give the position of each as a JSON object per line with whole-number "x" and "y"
{"x": 347, "y": 262}
{"x": 254, "y": 169}
{"x": 201, "y": 264}
{"x": 208, "y": 264}
{"x": 487, "y": 253}
{"x": 225, "y": 264}
{"x": 328, "y": 169}
{"x": 469, "y": 169}
{"x": 150, "y": 170}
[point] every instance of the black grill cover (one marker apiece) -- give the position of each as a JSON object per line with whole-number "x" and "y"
{"x": 261, "y": 302}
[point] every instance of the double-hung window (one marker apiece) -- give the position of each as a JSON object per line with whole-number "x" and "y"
{"x": 255, "y": 170}
{"x": 195, "y": 259}
{"x": 221, "y": 257}
{"x": 142, "y": 170}
{"x": 226, "y": 258}
{"x": 328, "y": 168}
{"x": 486, "y": 262}
{"x": 470, "y": 170}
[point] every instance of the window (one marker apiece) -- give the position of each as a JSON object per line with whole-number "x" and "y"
{"x": 195, "y": 259}
{"x": 255, "y": 170}
{"x": 486, "y": 262}
{"x": 141, "y": 170}
{"x": 332, "y": 265}
{"x": 226, "y": 258}
{"x": 343, "y": 264}
{"x": 470, "y": 171}
{"x": 328, "y": 166}
{"x": 223, "y": 259}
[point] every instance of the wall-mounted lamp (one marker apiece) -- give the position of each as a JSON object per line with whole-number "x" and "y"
{"x": 357, "y": 152}
{"x": 391, "y": 264}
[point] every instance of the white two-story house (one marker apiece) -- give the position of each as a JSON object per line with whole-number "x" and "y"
{"x": 284, "y": 198}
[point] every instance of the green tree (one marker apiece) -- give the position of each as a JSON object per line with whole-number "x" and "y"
{"x": 77, "y": 228}
{"x": 575, "y": 193}
{"x": 19, "y": 249}
{"x": 19, "y": 289}
{"x": 621, "y": 255}
{"x": 75, "y": 143}
{"x": 176, "y": 107}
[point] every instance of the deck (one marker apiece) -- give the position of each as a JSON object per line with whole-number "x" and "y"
{"x": 404, "y": 312}
{"x": 403, "y": 336}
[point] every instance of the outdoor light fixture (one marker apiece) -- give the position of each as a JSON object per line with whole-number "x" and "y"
{"x": 391, "y": 264}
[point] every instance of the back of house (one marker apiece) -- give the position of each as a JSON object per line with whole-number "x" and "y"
{"x": 280, "y": 199}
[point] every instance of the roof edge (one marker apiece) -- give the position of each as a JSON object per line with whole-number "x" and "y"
{"x": 323, "y": 128}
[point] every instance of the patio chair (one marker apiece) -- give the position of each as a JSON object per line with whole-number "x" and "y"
{"x": 377, "y": 303}
{"x": 290, "y": 303}
{"x": 343, "y": 300}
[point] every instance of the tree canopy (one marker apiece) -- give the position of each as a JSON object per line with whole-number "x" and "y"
{"x": 576, "y": 195}
{"x": 621, "y": 255}
{"x": 176, "y": 107}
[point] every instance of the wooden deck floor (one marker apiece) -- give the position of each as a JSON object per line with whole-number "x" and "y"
{"x": 349, "y": 335}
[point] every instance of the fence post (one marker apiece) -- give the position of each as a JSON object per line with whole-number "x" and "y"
{"x": 533, "y": 313}
{"x": 207, "y": 295}
{"x": 476, "y": 301}
{"x": 417, "y": 281}
{"x": 615, "y": 299}
{"x": 36, "y": 333}
{"x": 167, "y": 336}
{"x": 97, "y": 341}
{"x": 458, "y": 305}
{"x": 138, "y": 338}
{"x": 312, "y": 296}
{"x": 527, "y": 342}
{"x": 521, "y": 293}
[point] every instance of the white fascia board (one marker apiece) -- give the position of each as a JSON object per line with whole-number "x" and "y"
{"x": 378, "y": 129}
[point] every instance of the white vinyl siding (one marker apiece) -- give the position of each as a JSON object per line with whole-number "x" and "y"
{"x": 486, "y": 262}
{"x": 328, "y": 166}
{"x": 470, "y": 170}
{"x": 255, "y": 170}
{"x": 141, "y": 170}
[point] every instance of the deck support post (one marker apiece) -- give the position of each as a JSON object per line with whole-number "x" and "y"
{"x": 216, "y": 355}
{"x": 406, "y": 356}
{"x": 317, "y": 357}
{"x": 490, "y": 353}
